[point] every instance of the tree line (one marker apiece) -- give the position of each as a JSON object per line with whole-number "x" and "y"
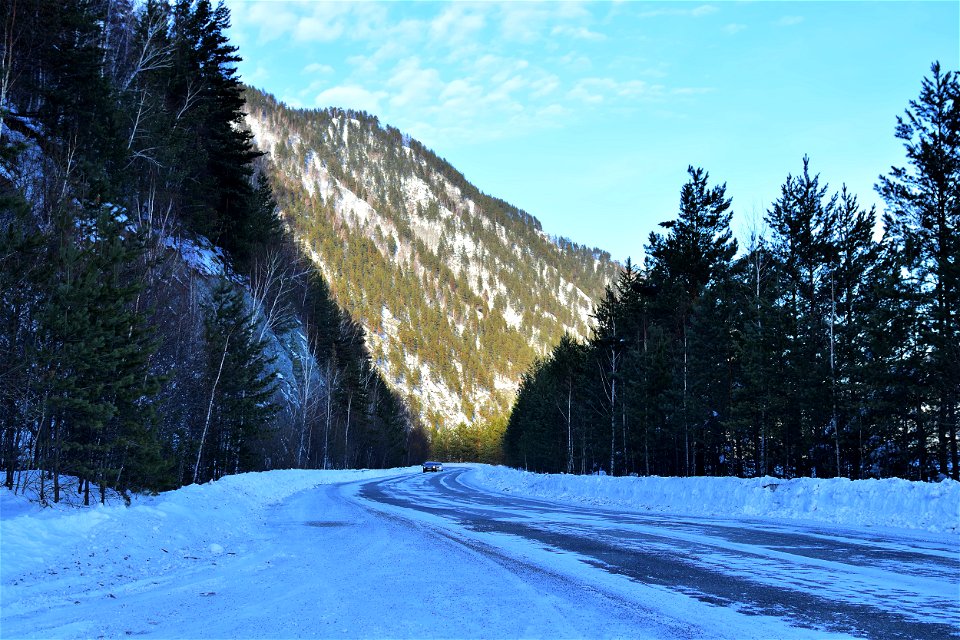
{"x": 122, "y": 145}
{"x": 817, "y": 350}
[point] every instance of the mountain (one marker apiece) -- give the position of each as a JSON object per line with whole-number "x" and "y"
{"x": 458, "y": 291}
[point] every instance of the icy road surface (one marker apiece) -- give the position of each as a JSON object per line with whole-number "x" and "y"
{"x": 816, "y": 578}
{"x": 400, "y": 554}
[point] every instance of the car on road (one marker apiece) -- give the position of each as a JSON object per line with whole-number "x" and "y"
{"x": 432, "y": 466}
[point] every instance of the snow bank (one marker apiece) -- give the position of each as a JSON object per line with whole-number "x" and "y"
{"x": 188, "y": 521}
{"x": 891, "y": 503}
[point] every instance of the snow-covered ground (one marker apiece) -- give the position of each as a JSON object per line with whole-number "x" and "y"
{"x": 234, "y": 558}
{"x": 871, "y": 503}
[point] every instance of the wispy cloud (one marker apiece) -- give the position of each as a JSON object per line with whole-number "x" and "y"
{"x": 457, "y": 25}
{"x": 317, "y": 68}
{"x": 544, "y": 86}
{"x": 412, "y": 84}
{"x": 734, "y": 28}
{"x": 464, "y": 71}
{"x": 270, "y": 22}
{"x": 532, "y": 21}
{"x": 789, "y": 21}
{"x": 318, "y": 29}
{"x": 603, "y": 90}
{"x": 696, "y": 12}
{"x": 690, "y": 91}
{"x": 577, "y": 33}
{"x": 260, "y": 74}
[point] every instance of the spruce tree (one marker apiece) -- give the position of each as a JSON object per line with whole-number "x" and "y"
{"x": 696, "y": 252}
{"x": 803, "y": 222}
{"x": 851, "y": 264}
{"x": 207, "y": 99}
{"x": 240, "y": 389}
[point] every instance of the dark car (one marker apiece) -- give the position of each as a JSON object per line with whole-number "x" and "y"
{"x": 432, "y": 466}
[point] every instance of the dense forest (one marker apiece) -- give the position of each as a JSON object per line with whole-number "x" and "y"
{"x": 817, "y": 350}
{"x": 122, "y": 150}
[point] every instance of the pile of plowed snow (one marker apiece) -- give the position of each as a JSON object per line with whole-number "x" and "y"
{"x": 932, "y": 506}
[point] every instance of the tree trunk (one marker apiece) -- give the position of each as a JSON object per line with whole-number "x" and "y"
{"x": 346, "y": 434}
{"x": 613, "y": 416}
{"x": 833, "y": 374}
{"x": 686, "y": 435}
{"x": 206, "y": 423}
{"x": 569, "y": 426}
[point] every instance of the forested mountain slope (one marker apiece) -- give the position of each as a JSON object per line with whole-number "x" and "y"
{"x": 458, "y": 291}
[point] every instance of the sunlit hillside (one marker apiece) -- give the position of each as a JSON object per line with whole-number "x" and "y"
{"x": 459, "y": 291}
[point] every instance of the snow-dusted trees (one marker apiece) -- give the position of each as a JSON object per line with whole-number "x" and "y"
{"x": 79, "y": 345}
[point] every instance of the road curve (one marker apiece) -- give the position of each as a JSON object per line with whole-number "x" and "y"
{"x": 854, "y": 582}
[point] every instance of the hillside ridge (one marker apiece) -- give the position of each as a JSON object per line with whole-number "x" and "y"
{"x": 459, "y": 291}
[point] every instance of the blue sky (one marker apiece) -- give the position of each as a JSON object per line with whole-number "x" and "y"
{"x": 587, "y": 115}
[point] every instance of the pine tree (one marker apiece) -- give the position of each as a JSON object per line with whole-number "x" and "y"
{"x": 757, "y": 399}
{"x": 127, "y": 453}
{"x": 897, "y": 439}
{"x": 713, "y": 373}
{"x": 568, "y": 363}
{"x": 22, "y": 276}
{"x": 924, "y": 218}
{"x": 94, "y": 347}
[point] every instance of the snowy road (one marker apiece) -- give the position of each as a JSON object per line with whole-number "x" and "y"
{"x": 400, "y": 554}
{"x": 854, "y": 582}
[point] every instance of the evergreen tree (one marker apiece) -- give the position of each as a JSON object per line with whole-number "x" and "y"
{"x": 119, "y": 122}
{"x": 127, "y": 453}
{"x": 240, "y": 388}
{"x": 757, "y": 400}
{"x": 696, "y": 252}
{"x": 532, "y": 439}
{"x": 75, "y": 101}
{"x": 22, "y": 274}
{"x": 803, "y": 222}
{"x": 714, "y": 370}
{"x": 94, "y": 347}
{"x": 621, "y": 326}
{"x": 851, "y": 264}
{"x": 568, "y": 364}
{"x": 217, "y": 152}
{"x": 924, "y": 219}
